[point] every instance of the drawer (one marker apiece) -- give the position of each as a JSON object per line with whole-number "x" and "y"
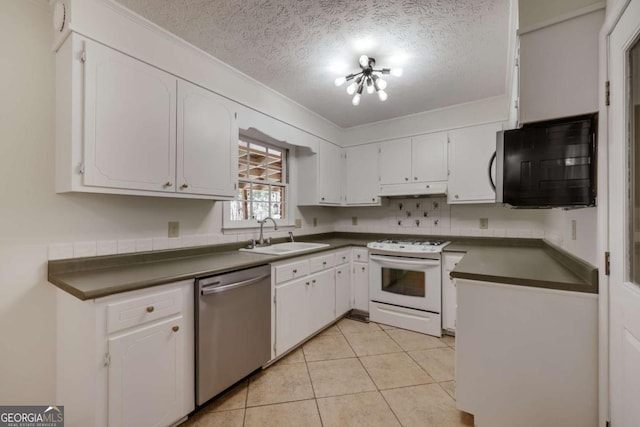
{"x": 361, "y": 254}
{"x": 322, "y": 262}
{"x": 450, "y": 261}
{"x": 343, "y": 257}
{"x": 293, "y": 270}
{"x": 137, "y": 311}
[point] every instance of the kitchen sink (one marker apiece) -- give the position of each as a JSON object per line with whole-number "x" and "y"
{"x": 286, "y": 248}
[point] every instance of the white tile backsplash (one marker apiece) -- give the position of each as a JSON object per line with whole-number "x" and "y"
{"x": 126, "y": 246}
{"x": 144, "y": 245}
{"x": 106, "y": 247}
{"x": 60, "y": 251}
{"x": 84, "y": 249}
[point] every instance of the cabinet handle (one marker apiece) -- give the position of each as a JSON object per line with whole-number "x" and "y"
{"x": 339, "y": 271}
{"x": 324, "y": 262}
{"x": 456, "y": 196}
{"x": 150, "y": 309}
{"x": 168, "y": 184}
{"x": 323, "y": 198}
{"x": 307, "y": 283}
{"x": 185, "y": 185}
{"x": 373, "y": 199}
{"x": 295, "y": 271}
{"x": 313, "y": 281}
{"x": 415, "y": 178}
{"x": 363, "y": 268}
{"x": 406, "y": 178}
{"x": 344, "y": 258}
{"x": 176, "y": 328}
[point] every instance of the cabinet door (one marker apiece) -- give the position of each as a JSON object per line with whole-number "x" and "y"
{"x": 130, "y": 116}
{"x": 343, "y": 289}
{"x": 361, "y": 166}
{"x": 470, "y": 152}
{"x": 395, "y": 161}
{"x": 146, "y": 375}
{"x": 361, "y": 286}
{"x": 449, "y": 295}
{"x": 322, "y": 299}
{"x": 330, "y": 173}
{"x": 206, "y": 144}
{"x": 292, "y": 314}
{"x": 429, "y": 157}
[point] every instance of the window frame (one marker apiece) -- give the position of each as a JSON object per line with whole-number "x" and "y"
{"x": 287, "y": 221}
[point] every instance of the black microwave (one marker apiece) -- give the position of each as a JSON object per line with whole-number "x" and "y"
{"x": 548, "y": 164}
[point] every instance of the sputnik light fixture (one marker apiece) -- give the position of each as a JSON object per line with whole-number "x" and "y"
{"x": 367, "y": 77}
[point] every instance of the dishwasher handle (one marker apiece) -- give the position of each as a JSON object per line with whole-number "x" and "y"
{"x": 216, "y": 288}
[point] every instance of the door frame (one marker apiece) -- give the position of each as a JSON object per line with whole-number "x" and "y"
{"x": 613, "y": 16}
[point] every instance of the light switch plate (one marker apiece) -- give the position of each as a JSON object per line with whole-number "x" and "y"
{"x": 298, "y": 223}
{"x": 354, "y": 220}
{"x": 174, "y": 229}
{"x": 315, "y": 221}
{"x": 484, "y": 223}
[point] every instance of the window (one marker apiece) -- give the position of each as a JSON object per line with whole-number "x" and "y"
{"x": 262, "y": 183}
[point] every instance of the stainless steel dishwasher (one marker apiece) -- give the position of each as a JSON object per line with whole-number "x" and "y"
{"x": 233, "y": 328}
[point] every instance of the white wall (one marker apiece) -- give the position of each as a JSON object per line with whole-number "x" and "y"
{"x": 535, "y": 12}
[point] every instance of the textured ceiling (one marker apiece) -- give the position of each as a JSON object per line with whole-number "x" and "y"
{"x": 452, "y": 51}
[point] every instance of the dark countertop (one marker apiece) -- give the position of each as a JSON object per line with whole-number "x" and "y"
{"x": 526, "y": 262}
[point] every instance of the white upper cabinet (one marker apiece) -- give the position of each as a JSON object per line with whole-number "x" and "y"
{"x": 361, "y": 165}
{"x": 130, "y": 113}
{"x": 395, "y": 161}
{"x": 414, "y": 166}
{"x": 429, "y": 157}
{"x": 320, "y": 175}
{"x": 206, "y": 143}
{"x": 126, "y": 127}
{"x": 559, "y": 68}
{"x": 470, "y": 153}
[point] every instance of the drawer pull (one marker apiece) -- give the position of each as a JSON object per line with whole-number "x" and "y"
{"x": 363, "y": 268}
{"x": 295, "y": 271}
{"x": 313, "y": 281}
{"x": 307, "y": 283}
{"x": 324, "y": 262}
{"x": 150, "y": 309}
{"x": 176, "y": 328}
{"x": 344, "y": 258}
{"x": 339, "y": 271}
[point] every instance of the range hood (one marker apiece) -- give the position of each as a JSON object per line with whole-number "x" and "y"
{"x": 414, "y": 189}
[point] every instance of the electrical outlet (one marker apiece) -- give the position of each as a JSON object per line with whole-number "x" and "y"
{"x": 298, "y": 223}
{"x": 484, "y": 223}
{"x": 354, "y": 220}
{"x": 174, "y": 229}
{"x": 315, "y": 221}
{"x": 574, "y": 230}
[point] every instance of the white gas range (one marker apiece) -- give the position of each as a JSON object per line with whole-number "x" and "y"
{"x": 405, "y": 284}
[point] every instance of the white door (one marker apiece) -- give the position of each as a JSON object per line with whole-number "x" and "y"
{"x": 130, "y": 122}
{"x": 361, "y": 286}
{"x": 470, "y": 152}
{"x": 362, "y": 175}
{"x": 330, "y": 169}
{"x": 624, "y": 219}
{"x": 322, "y": 299}
{"x": 146, "y": 376}
{"x": 343, "y": 289}
{"x": 429, "y": 157}
{"x": 395, "y": 161}
{"x": 292, "y": 314}
{"x": 207, "y": 143}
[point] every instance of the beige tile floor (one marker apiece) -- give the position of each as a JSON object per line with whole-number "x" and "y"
{"x": 352, "y": 374}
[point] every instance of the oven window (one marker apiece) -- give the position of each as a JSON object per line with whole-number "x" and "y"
{"x": 403, "y": 282}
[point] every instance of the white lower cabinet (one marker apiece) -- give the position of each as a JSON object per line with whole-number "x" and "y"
{"x": 360, "y": 280}
{"x": 311, "y": 292}
{"x": 127, "y": 360}
{"x": 449, "y": 298}
{"x": 146, "y": 375}
{"x": 526, "y": 356}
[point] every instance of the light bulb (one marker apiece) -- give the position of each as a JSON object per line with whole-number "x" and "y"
{"x": 340, "y": 81}
{"x": 370, "y": 87}
{"x": 356, "y": 99}
{"x": 351, "y": 89}
{"x": 364, "y": 61}
{"x": 382, "y": 84}
{"x": 396, "y": 72}
{"x": 382, "y": 95}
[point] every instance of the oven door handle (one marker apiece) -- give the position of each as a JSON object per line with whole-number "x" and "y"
{"x": 403, "y": 261}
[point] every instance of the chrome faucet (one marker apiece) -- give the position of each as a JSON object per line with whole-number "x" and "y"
{"x": 262, "y": 222}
